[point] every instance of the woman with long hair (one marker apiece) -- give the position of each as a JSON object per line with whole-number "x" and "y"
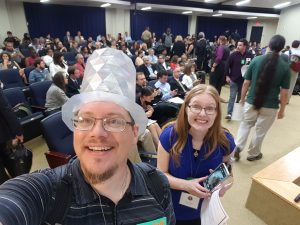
{"x": 58, "y": 64}
{"x": 56, "y": 94}
{"x": 267, "y": 77}
{"x": 146, "y": 97}
{"x": 189, "y": 76}
{"x": 190, "y": 147}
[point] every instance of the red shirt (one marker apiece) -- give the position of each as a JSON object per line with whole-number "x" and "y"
{"x": 81, "y": 68}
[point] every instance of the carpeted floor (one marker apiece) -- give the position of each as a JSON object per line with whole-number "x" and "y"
{"x": 282, "y": 138}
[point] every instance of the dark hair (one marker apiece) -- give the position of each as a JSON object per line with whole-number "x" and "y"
{"x": 5, "y": 53}
{"x": 139, "y": 74}
{"x": 244, "y": 41}
{"x": 59, "y": 80}
{"x": 268, "y": 71}
{"x": 295, "y": 44}
{"x": 174, "y": 59}
{"x": 37, "y": 62}
{"x": 147, "y": 91}
{"x": 56, "y": 59}
{"x": 71, "y": 70}
{"x": 161, "y": 73}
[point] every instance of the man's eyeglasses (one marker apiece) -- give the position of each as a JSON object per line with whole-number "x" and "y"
{"x": 85, "y": 123}
{"x": 210, "y": 110}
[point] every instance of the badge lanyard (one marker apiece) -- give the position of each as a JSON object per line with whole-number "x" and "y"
{"x": 198, "y": 162}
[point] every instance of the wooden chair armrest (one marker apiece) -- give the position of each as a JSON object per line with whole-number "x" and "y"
{"x": 56, "y": 159}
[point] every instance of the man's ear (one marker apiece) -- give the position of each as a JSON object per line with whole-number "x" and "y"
{"x": 135, "y": 130}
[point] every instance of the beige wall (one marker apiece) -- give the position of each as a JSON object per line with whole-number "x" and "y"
{"x": 12, "y": 17}
{"x": 288, "y": 24}
{"x": 192, "y": 24}
{"x": 117, "y": 21}
{"x": 269, "y": 29}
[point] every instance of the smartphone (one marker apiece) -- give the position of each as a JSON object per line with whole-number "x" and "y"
{"x": 219, "y": 175}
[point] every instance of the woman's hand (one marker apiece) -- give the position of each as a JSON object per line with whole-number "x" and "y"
{"x": 194, "y": 188}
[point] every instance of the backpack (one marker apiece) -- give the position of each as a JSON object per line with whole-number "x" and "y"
{"x": 64, "y": 191}
{"x": 22, "y": 110}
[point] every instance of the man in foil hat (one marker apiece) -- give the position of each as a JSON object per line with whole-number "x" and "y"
{"x": 100, "y": 185}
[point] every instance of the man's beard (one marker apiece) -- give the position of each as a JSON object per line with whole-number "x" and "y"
{"x": 97, "y": 178}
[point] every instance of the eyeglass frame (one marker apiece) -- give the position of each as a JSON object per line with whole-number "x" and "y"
{"x": 202, "y": 108}
{"x": 132, "y": 123}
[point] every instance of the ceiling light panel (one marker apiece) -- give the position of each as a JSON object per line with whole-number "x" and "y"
{"x": 244, "y": 2}
{"x": 282, "y": 5}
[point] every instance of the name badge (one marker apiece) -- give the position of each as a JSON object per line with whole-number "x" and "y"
{"x": 243, "y": 61}
{"x": 189, "y": 200}
{"x": 160, "y": 221}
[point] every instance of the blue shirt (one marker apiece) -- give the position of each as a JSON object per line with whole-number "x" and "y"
{"x": 38, "y": 75}
{"x": 165, "y": 89}
{"x": 191, "y": 167}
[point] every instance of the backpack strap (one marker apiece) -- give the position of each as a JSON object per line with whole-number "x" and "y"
{"x": 155, "y": 184}
{"x": 63, "y": 197}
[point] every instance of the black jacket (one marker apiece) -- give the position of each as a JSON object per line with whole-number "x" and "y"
{"x": 144, "y": 69}
{"x": 175, "y": 85}
{"x": 72, "y": 87}
{"x": 178, "y": 48}
{"x": 9, "y": 124}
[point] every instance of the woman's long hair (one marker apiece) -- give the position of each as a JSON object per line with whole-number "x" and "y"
{"x": 268, "y": 71}
{"x": 57, "y": 59}
{"x": 215, "y": 135}
{"x": 59, "y": 80}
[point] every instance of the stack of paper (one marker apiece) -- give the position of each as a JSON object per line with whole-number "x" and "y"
{"x": 212, "y": 211}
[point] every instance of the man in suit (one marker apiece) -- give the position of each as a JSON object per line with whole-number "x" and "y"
{"x": 10, "y": 130}
{"x": 148, "y": 69}
{"x": 67, "y": 40}
{"x": 140, "y": 83}
{"x": 73, "y": 85}
{"x": 176, "y": 84}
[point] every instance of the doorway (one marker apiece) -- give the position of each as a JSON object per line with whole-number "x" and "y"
{"x": 256, "y": 34}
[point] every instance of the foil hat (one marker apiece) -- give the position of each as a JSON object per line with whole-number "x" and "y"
{"x": 109, "y": 76}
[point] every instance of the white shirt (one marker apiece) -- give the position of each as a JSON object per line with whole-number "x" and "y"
{"x": 53, "y": 68}
{"x": 47, "y": 59}
{"x": 188, "y": 80}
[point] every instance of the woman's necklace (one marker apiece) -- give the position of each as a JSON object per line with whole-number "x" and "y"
{"x": 196, "y": 154}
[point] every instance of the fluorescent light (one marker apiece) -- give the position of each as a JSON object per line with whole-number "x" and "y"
{"x": 282, "y": 5}
{"x": 187, "y": 12}
{"x": 252, "y": 17}
{"x": 175, "y": 8}
{"x": 209, "y": 0}
{"x": 42, "y": 1}
{"x": 146, "y": 8}
{"x": 243, "y": 2}
{"x": 105, "y": 5}
{"x": 219, "y": 14}
{"x": 268, "y": 15}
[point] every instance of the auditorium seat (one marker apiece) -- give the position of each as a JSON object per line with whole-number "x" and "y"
{"x": 11, "y": 78}
{"x": 30, "y": 121}
{"x": 59, "y": 140}
{"x": 38, "y": 91}
{"x": 69, "y": 58}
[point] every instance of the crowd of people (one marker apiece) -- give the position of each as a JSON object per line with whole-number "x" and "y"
{"x": 108, "y": 121}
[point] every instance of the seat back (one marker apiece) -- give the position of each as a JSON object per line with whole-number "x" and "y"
{"x": 57, "y": 135}
{"x": 70, "y": 58}
{"x": 11, "y": 78}
{"x": 27, "y": 71}
{"x": 14, "y": 96}
{"x": 38, "y": 91}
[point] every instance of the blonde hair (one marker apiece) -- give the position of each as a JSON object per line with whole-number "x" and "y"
{"x": 216, "y": 134}
{"x": 178, "y": 38}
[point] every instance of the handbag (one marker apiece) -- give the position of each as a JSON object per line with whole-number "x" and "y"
{"x": 18, "y": 160}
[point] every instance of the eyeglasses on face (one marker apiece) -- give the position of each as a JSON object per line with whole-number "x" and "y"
{"x": 210, "y": 110}
{"x": 85, "y": 123}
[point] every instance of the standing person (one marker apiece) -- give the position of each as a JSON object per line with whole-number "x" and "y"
{"x": 178, "y": 47}
{"x": 105, "y": 187}
{"x": 238, "y": 59}
{"x": 217, "y": 76}
{"x": 267, "y": 78}
{"x": 10, "y": 130}
{"x": 201, "y": 52}
{"x": 167, "y": 40}
{"x": 147, "y": 36}
{"x": 191, "y": 146}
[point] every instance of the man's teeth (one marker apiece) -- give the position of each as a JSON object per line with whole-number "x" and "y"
{"x": 100, "y": 148}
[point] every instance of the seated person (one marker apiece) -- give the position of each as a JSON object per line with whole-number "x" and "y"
{"x": 144, "y": 100}
{"x": 174, "y": 62}
{"x": 8, "y": 63}
{"x": 140, "y": 83}
{"x": 161, "y": 64}
{"x": 58, "y": 64}
{"x": 40, "y": 73}
{"x": 189, "y": 76}
{"x": 164, "y": 87}
{"x": 148, "y": 69}
{"x": 56, "y": 96}
{"x": 139, "y": 58}
{"x": 48, "y": 58}
{"x": 16, "y": 55}
{"x": 73, "y": 85}
{"x": 153, "y": 58}
{"x": 176, "y": 84}
{"x": 33, "y": 55}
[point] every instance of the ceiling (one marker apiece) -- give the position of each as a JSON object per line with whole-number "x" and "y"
{"x": 258, "y": 8}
